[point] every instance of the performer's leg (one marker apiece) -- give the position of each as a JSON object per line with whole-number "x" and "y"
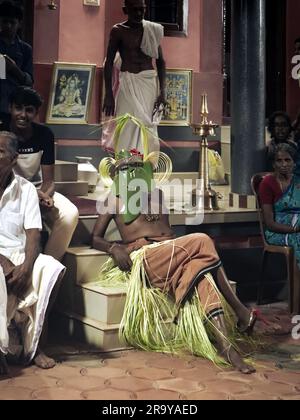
{"x": 212, "y": 305}
{"x": 244, "y": 315}
{"x": 226, "y": 350}
{"x": 205, "y": 247}
{"x": 62, "y": 221}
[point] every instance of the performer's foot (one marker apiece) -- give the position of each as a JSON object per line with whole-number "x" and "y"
{"x": 4, "y": 370}
{"x": 43, "y": 361}
{"x": 234, "y": 358}
{"x": 246, "y": 324}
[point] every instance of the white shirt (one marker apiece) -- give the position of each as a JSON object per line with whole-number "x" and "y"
{"x": 19, "y": 211}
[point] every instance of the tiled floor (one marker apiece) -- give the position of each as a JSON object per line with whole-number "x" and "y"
{"x": 136, "y": 375}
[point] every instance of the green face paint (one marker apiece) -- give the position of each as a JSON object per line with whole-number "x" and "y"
{"x": 132, "y": 183}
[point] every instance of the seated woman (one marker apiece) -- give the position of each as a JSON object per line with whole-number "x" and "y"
{"x": 279, "y": 195}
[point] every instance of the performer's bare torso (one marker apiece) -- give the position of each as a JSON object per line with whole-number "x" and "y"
{"x": 129, "y": 45}
{"x": 143, "y": 228}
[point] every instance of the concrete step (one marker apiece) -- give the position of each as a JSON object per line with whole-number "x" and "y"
{"x": 78, "y": 188}
{"x": 84, "y": 229}
{"x": 105, "y": 305}
{"x": 83, "y": 264}
{"x": 94, "y": 333}
{"x": 65, "y": 171}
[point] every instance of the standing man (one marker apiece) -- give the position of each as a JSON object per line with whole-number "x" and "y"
{"x": 18, "y": 54}
{"x": 140, "y": 90}
{"x": 36, "y": 164}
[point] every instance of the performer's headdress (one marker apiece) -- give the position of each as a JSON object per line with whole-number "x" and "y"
{"x": 142, "y": 171}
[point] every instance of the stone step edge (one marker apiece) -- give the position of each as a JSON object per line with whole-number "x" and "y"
{"x": 105, "y": 291}
{"x": 96, "y": 324}
{"x": 88, "y": 321}
{"x": 85, "y": 251}
{"x": 71, "y": 183}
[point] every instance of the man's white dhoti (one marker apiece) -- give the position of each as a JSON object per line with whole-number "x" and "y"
{"x": 26, "y": 316}
{"x": 137, "y": 96}
{"x": 3, "y": 318}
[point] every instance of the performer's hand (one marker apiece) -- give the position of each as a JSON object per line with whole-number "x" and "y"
{"x": 19, "y": 280}
{"x": 109, "y": 105}
{"x": 121, "y": 257}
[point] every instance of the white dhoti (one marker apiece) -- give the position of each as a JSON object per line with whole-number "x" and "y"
{"x": 23, "y": 319}
{"x": 136, "y": 95}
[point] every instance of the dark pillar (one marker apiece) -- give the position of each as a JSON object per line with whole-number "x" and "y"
{"x": 248, "y": 77}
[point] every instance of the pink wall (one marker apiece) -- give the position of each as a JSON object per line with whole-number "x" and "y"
{"x": 81, "y": 35}
{"x": 293, "y": 32}
{"x": 72, "y": 32}
{"x": 46, "y": 33}
{"x": 78, "y": 33}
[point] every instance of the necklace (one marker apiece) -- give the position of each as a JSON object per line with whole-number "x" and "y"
{"x": 284, "y": 187}
{"x": 150, "y": 218}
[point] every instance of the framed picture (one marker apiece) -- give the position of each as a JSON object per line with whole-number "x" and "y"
{"x": 91, "y": 2}
{"x": 70, "y": 93}
{"x": 179, "y": 97}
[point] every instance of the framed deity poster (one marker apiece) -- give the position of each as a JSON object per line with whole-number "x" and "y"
{"x": 70, "y": 94}
{"x": 178, "y": 110}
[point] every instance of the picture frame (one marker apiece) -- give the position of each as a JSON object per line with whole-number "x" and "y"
{"x": 178, "y": 110}
{"x": 70, "y": 94}
{"x": 91, "y": 2}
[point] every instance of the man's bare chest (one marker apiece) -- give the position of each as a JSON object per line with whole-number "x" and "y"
{"x": 131, "y": 39}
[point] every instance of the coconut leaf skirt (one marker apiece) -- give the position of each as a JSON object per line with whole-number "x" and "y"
{"x": 148, "y": 317}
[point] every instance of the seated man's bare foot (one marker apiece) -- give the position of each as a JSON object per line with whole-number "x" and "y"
{"x": 43, "y": 361}
{"x": 235, "y": 359}
{"x": 4, "y": 370}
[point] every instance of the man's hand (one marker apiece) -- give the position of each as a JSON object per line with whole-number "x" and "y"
{"x": 19, "y": 280}
{"x": 159, "y": 104}
{"x": 11, "y": 66}
{"x": 7, "y": 266}
{"x": 109, "y": 105}
{"x": 121, "y": 257}
{"x": 45, "y": 200}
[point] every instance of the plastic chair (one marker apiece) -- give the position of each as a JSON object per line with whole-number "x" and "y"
{"x": 288, "y": 252}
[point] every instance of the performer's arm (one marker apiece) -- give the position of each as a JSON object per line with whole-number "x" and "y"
{"x": 117, "y": 251}
{"x": 21, "y": 275}
{"x": 113, "y": 47}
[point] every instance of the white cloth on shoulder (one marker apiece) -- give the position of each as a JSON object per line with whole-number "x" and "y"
{"x": 21, "y": 320}
{"x": 153, "y": 34}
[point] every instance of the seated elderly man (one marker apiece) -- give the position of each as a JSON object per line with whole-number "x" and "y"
{"x": 157, "y": 266}
{"x": 27, "y": 278}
